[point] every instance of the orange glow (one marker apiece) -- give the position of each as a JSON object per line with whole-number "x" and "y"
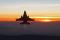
{"x": 46, "y": 20}
{"x": 6, "y": 19}
{"x": 39, "y": 19}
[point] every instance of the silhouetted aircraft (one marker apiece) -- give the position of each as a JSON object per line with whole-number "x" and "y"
{"x": 24, "y": 19}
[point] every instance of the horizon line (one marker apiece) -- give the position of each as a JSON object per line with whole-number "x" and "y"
{"x": 30, "y": 17}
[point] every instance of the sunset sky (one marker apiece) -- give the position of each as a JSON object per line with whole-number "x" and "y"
{"x": 34, "y": 8}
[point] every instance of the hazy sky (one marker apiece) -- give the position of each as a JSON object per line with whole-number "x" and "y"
{"x": 36, "y": 8}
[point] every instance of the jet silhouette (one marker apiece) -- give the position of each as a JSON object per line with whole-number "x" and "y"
{"x": 24, "y": 19}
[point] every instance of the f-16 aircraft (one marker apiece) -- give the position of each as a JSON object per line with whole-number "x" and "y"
{"x": 24, "y": 19}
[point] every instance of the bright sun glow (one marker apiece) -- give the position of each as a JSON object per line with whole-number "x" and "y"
{"x": 46, "y": 20}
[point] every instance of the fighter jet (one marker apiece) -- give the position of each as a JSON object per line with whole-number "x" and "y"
{"x": 25, "y": 19}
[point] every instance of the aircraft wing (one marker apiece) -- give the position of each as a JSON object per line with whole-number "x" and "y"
{"x": 19, "y": 19}
{"x": 30, "y": 19}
